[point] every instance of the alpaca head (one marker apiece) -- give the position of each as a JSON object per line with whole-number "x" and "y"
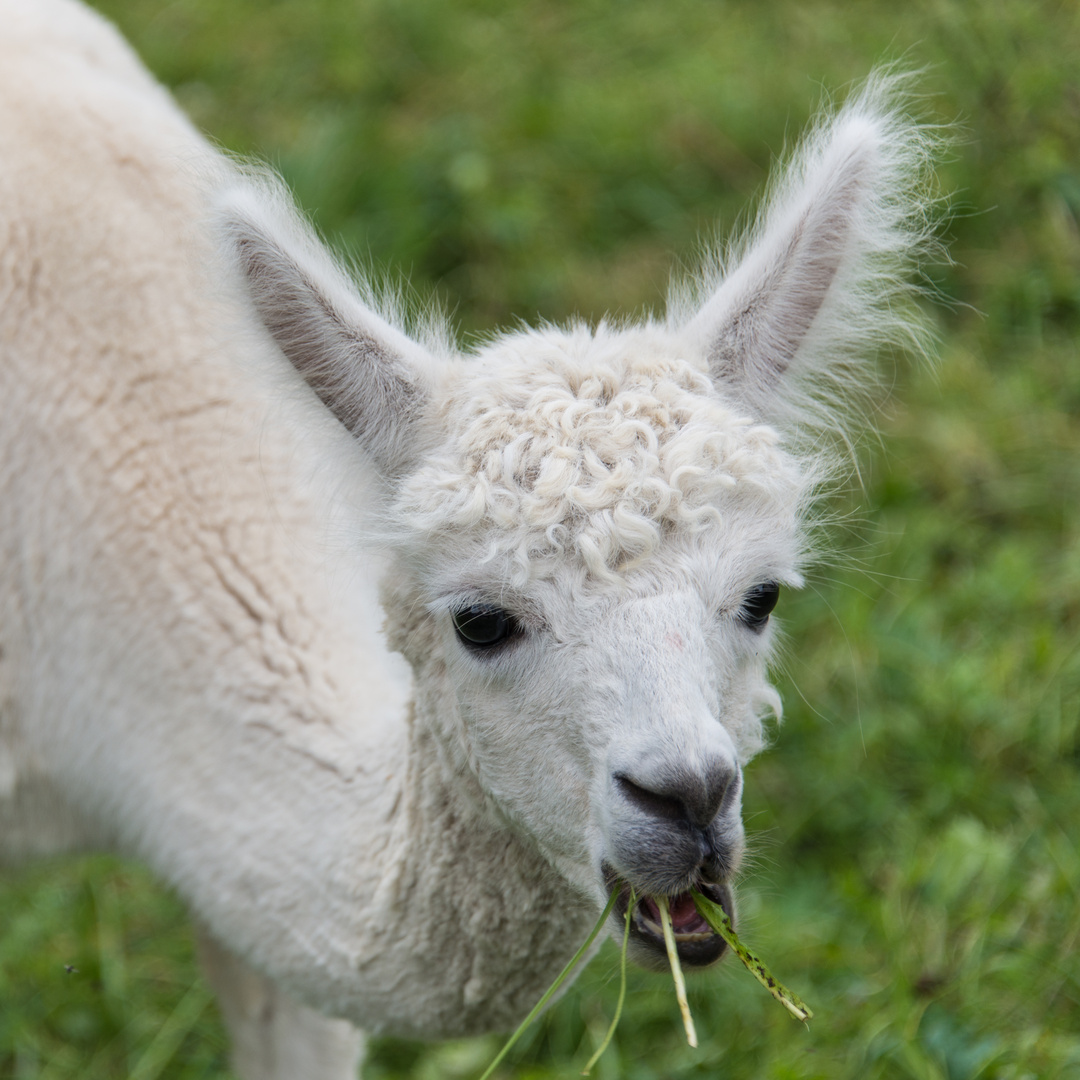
{"x": 591, "y": 526}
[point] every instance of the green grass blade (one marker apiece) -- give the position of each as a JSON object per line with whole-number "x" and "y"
{"x": 622, "y": 989}
{"x": 559, "y": 980}
{"x": 718, "y": 919}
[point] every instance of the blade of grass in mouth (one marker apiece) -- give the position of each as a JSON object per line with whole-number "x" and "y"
{"x": 719, "y": 920}
{"x": 676, "y": 969}
{"x": 559, "y": 980}
{"x": 622, "y": 988}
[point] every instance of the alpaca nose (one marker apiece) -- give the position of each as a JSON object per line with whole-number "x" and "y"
{"x": 680, "y": 794}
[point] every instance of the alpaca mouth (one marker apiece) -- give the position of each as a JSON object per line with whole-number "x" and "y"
{"x": 695, "y": 941}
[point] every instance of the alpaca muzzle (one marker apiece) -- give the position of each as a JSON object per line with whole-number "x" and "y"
{"x": 670, "y": 829}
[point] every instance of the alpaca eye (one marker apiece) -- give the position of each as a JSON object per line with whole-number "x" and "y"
{"x": 482, "y": 626}
{"x": 758, "y": 603}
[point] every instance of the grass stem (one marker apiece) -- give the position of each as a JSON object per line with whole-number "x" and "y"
{"x": 622, "y": 988}
{"x": 559, "y": 980}
{"x": 676, "y": 970}
{"x": 719, "y": 920}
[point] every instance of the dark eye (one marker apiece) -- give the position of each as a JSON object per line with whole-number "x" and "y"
{"x": 482, "y": 626}
{"x": 758, "y": 603}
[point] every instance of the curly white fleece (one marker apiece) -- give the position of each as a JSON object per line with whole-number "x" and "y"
{"x": 592, "y": 443}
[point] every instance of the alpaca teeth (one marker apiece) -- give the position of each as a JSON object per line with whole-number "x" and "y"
{"x": 695, "y": 935}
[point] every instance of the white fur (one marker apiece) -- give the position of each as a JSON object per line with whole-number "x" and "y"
{"x": 194, "y": 672}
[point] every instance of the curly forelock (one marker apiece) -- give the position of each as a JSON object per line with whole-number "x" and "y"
{"x": 595, "y": 445}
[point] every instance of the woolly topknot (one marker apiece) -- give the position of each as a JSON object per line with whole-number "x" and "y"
{"x": 594, "y": 444}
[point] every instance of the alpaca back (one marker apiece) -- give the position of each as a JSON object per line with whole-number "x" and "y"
{"x": 167, "y": 572}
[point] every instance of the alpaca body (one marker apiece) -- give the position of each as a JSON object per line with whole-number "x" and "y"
{"x": 394, "y": 680}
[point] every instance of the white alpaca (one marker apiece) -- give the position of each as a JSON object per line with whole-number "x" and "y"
{"x": 578, "y": 535}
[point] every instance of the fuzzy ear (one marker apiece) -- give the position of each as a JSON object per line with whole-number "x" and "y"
{"x": 372, "y": 376}
{"x": 815, "y": 287}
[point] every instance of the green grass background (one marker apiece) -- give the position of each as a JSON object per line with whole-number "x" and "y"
{"x": 914, "y": 828}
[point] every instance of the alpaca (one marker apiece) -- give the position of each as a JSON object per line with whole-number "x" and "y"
{"x": 394, "y": 662}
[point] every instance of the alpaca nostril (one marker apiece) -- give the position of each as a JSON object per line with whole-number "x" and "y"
{"x": 682, "y": 796}
{"x": 651, "y": 802}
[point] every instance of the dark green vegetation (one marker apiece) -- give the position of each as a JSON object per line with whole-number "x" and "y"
{"x": 916, "y": 866}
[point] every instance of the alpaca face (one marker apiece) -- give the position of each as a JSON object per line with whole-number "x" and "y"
{"x": 598, "y": 539}
{"x": 601, "y": 735}
{"x": 608, "y": 726}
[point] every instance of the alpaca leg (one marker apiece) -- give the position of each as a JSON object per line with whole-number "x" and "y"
{"x": 274, "y": 1038}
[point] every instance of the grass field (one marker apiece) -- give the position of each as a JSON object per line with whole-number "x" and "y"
{"x": 916, "y": 866}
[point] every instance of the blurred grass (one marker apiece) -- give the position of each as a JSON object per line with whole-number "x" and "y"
{"x": 915, "y": 826}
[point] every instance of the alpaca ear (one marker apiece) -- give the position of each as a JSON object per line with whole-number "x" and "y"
{"x": 372, "y": 376}
{"x": 815, "y": 286}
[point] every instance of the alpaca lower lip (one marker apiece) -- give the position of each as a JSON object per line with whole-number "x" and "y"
{"x": 695, "y": 941}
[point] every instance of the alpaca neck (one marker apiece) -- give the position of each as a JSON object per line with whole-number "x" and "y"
{"x": 476, "y": 921}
